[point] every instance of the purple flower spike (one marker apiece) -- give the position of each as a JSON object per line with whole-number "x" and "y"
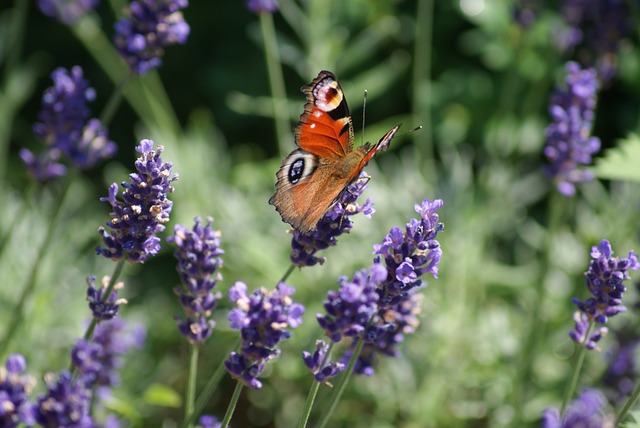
{"x": 604, "y": 279}
{"x": 15, "y": 408}
{"x": 143, "y": 211}
{"x": 257, "y": 6}
{"x": 150, "y": 26}
{"x": 334, "y": 223}
{"x": 587, "y": 411}
{"x": 263, "y": 319}
{"x": 67, "y": 11}
{"x": 569, "y": 141}
{"x": 65, "y": 128}
{"x": 65, "y": 404}
{"x": 103, "y": 308}
{"x": 198, "y": 257}
{"x": 208, "y": 421}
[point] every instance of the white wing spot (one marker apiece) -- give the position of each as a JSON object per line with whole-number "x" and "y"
{"x": 313, "y": 125}
{"x": 317, "y": 113}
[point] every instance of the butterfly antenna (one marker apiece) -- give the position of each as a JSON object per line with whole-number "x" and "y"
{"x": 417, "y": 128}
{"x": 364, "y": 108}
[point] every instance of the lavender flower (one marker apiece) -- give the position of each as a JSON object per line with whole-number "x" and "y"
{"x": 525, "y": 12}
{"x": 207, "y": 421}
{"x": 99, "y": 359}
{"x": 14, "y": 392}
{"x": 350, "y": 309}
{"x": 150, "y": 26}
{"x": 103, "y": 308}
{"x": 604, "y": 279}
{"x": 587, "y": 411}
{"x": 65, "y": 404}
{"x": 67, "y": 11}
{"x": 597, "y": 30}
{"x": 407, "y": 255}
{"x": 257, "y": 6}
{"x": 143, "y": 211}
{"x": 622, "y": 370}
{"x": 198, "y": 257}
{"x": 319, "y": 365}
{"x": 334, "y": 223}
{"x": 262, "y": 318}
{"x": 65, "y": 128}
{"x": 569, "y": 144}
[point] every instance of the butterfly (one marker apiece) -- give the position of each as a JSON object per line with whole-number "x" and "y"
{"x": 312, "y": 178}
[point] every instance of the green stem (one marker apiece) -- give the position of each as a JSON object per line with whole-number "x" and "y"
{"x": 191, "y": 383}
{"x": 343, "y": 382}
{"x": 276, "y": 82}
{"x": 577, "y": 367}
{"x": 554, "y": 217}
{"x": 112, "y": 104}
{"x": 287, "y": 273}
{"x": 308, "y": 405}
{"x": 628, "y": 405}
{"x": 32, "y": 279}
{"x": 207, "y": 392}
{"x": 232, "y": 405}
{"x": 421, "y": 102}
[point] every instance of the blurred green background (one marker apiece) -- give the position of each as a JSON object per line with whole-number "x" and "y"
{"x": 493, "y": 345}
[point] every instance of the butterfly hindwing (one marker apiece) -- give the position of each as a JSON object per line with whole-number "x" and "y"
{"x": 325, "y": 128}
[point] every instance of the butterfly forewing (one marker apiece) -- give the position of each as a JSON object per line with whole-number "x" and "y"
{"x": 325, "y": 127}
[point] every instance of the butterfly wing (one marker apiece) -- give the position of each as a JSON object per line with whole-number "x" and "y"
{"x": 325, "y": 128}
{"x": 369, "y": 152}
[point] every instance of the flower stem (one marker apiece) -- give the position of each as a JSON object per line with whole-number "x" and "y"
{"x": 114, "y": 101}
{"x": 232, "y": 404}
{"x": 308, "y": 405}
{"x": 276, "y": 81}
{"x": 287, "y": 273}
{"x": 343, "y": 383}
{"x": 628, "y": 405}
{"x": 191, "y": 382}
{"x": 577, "y": 367}
{"x": 32, "y": 279}
{"x": 207, "y": 392}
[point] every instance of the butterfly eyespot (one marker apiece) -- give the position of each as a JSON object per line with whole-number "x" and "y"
{"x": 296, "y": 170}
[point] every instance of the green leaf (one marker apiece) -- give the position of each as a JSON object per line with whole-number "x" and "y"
{"x": 621, "y": 162}
{"x": 161, "y": 395}
{"x": 632, "y": 420}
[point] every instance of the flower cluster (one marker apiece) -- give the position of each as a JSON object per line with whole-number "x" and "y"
{"x": 151, "y": 25}
{"x": 208, "y": 421}
{"x": 99, "y": 358}
{"x": 65, "y": 128}
{"x": 622, "y": 369}
{"x": 262, "y": 318}
{"x": 65, "y": 404}
{"x": 198, "y": 257}
{"x": 143, "y": 211}
{"x": 67, "y": 11}
{"x": 334, "y": 223}
{"x": 597, "y": 30}
{"x": 103, "y": 307}
{"x": 569, "y": 141}
{"x": 257, "y": 6}
{"x": 604, "y": 278}
{"x": 319, "y": 363}
{"x": 585, "y": 411}
{"x": 14, "y": 392}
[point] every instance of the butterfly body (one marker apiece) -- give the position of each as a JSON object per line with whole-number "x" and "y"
{"x": 312, "y": 177}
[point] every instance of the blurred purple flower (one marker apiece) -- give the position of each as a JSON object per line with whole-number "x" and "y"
{"x": 257, "y": 6}
{"x": 604, "y": 279}
{"x": 262, "y": 318}
{"x": 586, "y": 411}
{"x": 15, "y": 388}
{"x": 334, "y": 223}
{"x": 149, "y": 27}
{"x": 65, "y": 128}
{"x": 622, "y": 369}
{"x": 525, "y": 12}
{"x": 67, "y": 11}
{"x": 208, "y": 421}
{"x": 198, "y": 257}
{"x": 144, "y": 210}
{"x": 596, "y": 31}
{"x": 65, "y": 404}
{"x": 99, "y": 359}
{"x": 569, "y": 141}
